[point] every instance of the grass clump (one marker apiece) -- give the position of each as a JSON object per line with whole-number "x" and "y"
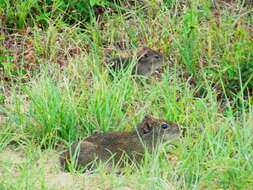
{"x": 21, "y": 14}
{"x": 51, "y": 114}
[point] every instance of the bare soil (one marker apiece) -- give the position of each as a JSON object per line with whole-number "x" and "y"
{"x": 54, "y": 177}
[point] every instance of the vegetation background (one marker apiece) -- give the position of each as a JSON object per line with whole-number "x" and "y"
{"x": 54, "y": 88}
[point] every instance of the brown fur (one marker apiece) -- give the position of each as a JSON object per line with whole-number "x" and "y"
{"x": 105, "y": 145}
{"x": 148, "y": 62}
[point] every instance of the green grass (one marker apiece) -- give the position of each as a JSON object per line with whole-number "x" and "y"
{"x": 70, "y": 95}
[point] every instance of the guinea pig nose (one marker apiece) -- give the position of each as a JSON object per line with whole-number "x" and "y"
{"x": 164, "y": 126}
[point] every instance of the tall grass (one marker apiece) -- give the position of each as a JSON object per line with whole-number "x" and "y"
{"x": 51, "y": 114}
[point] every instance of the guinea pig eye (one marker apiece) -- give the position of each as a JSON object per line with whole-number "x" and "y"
{"x": 157, "y": 56}
{"x": 164, "y": 126}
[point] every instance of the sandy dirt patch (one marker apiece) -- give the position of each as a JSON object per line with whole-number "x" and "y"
{"x": 12, "y": 161}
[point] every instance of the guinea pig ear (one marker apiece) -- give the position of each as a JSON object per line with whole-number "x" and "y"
{"x": 146, "y": 128}
{"x": 145, "y": 48}
{"x": 147, "y": 116}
